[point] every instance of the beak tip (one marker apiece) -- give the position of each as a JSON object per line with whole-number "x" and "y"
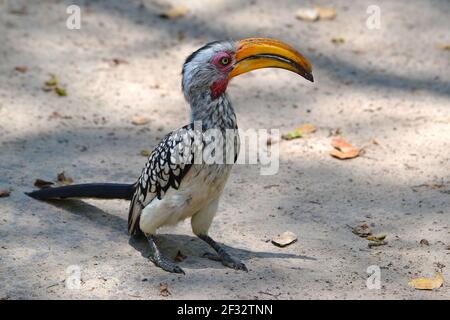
{"x": 308, "y": 76}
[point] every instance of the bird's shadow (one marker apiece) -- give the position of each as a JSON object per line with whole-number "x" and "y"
{"x": 191, "y": 248}
{"x": 100, "y": 218}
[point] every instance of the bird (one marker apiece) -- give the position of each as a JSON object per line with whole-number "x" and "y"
{"x": 173, "y": 186}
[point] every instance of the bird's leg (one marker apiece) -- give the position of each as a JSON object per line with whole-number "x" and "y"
{"x": 224, "y": 256}
{"x": 159, "y": 260}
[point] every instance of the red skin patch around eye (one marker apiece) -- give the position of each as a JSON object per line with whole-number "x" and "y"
{"x": 219, "y": 86}
{"x": 218, "y": 57}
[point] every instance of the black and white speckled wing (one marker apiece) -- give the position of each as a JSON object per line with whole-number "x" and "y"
{"x": 166, "y": 166}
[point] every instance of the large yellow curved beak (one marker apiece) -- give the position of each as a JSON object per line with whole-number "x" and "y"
{"x": 258, "y": 53}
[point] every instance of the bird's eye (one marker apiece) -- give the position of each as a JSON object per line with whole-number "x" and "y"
{"x": 224, "y": 61}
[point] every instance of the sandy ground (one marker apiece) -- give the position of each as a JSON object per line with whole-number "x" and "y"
{"x": 390, "y": 84}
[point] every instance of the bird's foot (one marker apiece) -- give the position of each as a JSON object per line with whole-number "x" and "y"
{"x": 166, "y": 264}
{"x": 222, "y": 255}
{"x": 227, "y": 260}
{"x": 159, "y": 260}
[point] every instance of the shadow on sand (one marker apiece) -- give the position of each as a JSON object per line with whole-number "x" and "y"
{"x": 170, "y": 244}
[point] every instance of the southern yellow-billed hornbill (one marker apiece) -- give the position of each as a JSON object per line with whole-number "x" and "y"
{"x": 173, "y": 187}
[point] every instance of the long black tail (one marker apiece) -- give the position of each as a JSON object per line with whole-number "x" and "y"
{"x": 88, "y": 190}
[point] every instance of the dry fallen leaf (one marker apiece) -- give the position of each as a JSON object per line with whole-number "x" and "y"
{"x": 444, "y": 47}
{"x": 140, "y": 120}
{"x": 374, "y": 241}
{"x": 343, "y": 149}
{"x": 377, "y": 243}
{"x": 299, "y": 132}
{"x": 54, "y": 115}
{"x": 145, "y": 153}
{"x": 118, "y": 61}
{"x": 4, "y": 193}
{"x": 338, "y": 40}
{"x": 60, "y": 91}
{"x": 326, "y": 13}
{"x": 342, "y": 145}
{"x": 63, "y": 179}
{"x": 42, "y": 183}
{"x": 175, "y": 12}
{"x": 57, "y": 115}
{"x": 362, "y": 231}
{"x": 376, "y": 238}
{"x": 164, "y": 290}
{"x": 307, "y": 128}
{"x": 428, "y": 283}
{"x": 292, "y": 135}
{"x": 21, "y": 69}
{"x": 52, "y": 84}
{"x": 52, "y": 81}
{"x": 307, "y": 14}
{"x": 180, "y": 257}
{"x": 286, "y": 238}
{"x": 344, "y": 155}
{"x": 314, "y": 14}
